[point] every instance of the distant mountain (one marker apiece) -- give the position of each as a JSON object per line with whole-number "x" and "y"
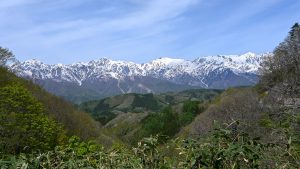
{"x": 101, "y": 78}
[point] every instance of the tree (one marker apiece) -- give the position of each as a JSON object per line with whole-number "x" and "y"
{"x": 23, "y": 125}
{"x": 165, "y": 123}
{"x": 5, "y": 56}
{"x": 283, "y": 68}
{"x": 189, "y": 111}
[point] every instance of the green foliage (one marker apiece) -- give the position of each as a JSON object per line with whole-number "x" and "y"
{"x": 168, "y": 122}
{"x": 223, "y": 148}
{"x": 266, "y": 121}
{"x": 165, "y": 123}
{"x": 185, "y": 118}
{"x": 105, "y": 110}
{"x": 104, "y": 117}
{"x": 76, "y": 155}
{"x": 147, "y": 100}
{"x": 280, "y": 81}
{"x": 102, "y": 107}
{"x": 149, "y": 153}
{"x": 23, "y": 125}
{"x": 287, "y": 130}
{"x": 74, "y": 121}
{"x": 191, "y": 106}
{"x": 190, "y": 110}
{"x": 233, "y": 146}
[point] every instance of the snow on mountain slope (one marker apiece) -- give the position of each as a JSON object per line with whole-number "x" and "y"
{"x": 103, "y": 77}
{"x": 176, "y": 70}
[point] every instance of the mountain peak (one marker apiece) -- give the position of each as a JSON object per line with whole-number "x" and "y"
{"x": 168, "y": 60}
{"x": 249, "y": 54}
{"x": 33, "y": 61}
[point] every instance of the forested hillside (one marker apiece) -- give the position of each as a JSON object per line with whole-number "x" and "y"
{"x": 106, "y": 109}
{"x": 130, "y": 117}
{"x": 19, "y": 97}
{"x": 253, "y": 127}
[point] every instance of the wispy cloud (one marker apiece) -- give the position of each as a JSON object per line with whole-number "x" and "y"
{"x": 150, "y": 13}
{"x": 131, "y": 28}
{"x": 247, "y": 10}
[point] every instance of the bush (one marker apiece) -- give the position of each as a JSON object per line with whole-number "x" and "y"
{"x": 223, "y": 148}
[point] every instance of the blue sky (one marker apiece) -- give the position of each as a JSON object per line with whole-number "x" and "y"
{"x": 66, "y": 31}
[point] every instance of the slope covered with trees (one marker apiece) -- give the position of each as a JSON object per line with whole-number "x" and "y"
{"x": 74, "y": 121}
{"x": 107, "y": 109}
{"x": 130, "y": 117}
{"x": 24, "y": 125}
{"x": 32, "y": 119}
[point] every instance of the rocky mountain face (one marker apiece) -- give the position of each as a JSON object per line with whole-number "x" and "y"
{"x": 104, "y": 77}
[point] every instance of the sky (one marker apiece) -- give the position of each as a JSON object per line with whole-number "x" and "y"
{"x": 67, "y": 31}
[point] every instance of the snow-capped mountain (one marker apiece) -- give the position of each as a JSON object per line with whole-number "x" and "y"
{"x": 105, "y": 77}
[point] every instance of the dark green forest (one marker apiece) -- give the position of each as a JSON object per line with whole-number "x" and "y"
{"x": 248, "y": 127}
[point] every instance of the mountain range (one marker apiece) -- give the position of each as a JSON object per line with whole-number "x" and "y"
{"x": 97, "y": 79}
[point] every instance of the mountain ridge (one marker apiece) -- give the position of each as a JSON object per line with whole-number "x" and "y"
{"x": 220, "y": 72}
